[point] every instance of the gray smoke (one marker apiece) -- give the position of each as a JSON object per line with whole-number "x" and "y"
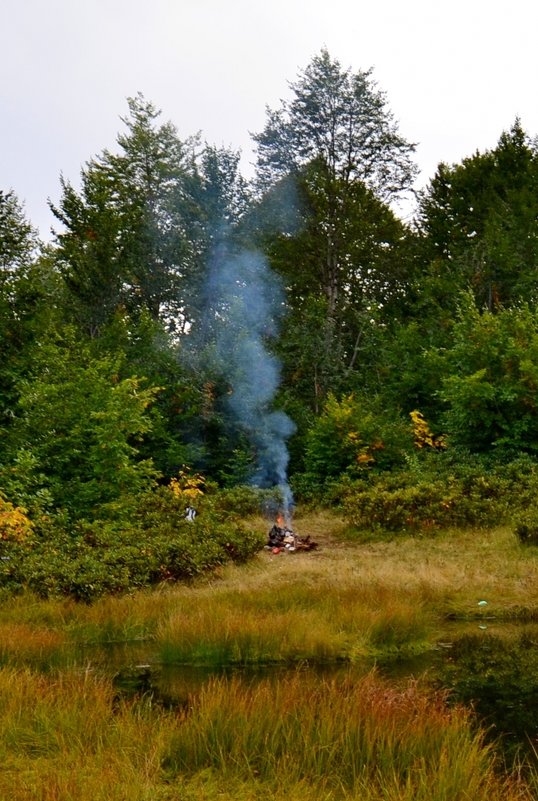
{"x": 244, "y": 304}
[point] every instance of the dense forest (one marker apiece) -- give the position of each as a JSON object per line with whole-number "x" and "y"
{"x": 190, "y": 334}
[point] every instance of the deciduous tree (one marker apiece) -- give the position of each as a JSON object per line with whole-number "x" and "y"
{"x": 76, "y": 434}
{"x": 336, "y": 143}
{"x": 478, "y": 222}
{"x": 489, "y": 379}
{"x": 340, "y": 121}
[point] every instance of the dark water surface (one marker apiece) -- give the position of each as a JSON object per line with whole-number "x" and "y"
{"x": 489, "y": 665}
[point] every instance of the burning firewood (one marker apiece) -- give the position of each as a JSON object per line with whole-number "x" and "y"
{"x": 281, "y": 537}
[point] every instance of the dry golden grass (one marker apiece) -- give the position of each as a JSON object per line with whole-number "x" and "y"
{"x": 449, "y": 572}
{"x": 453, "y": 569}
{"x": 345, "y": 599}
{"x": 67, "y": 738}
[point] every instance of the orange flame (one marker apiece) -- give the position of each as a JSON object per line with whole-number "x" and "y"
{"x": 280, "y": 520}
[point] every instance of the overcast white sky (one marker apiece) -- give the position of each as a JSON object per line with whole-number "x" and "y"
{"x": 455, "y": 74}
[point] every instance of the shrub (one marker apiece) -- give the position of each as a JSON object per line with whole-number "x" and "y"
{"x": 158, "y": 544}
{"x": 352, "y": 435}
{"x": 76, "y": 432}
{"x": 15, "y": 526}
{"x": 395, "y": 509}
{"x": 438, "y": 490}
{"x": 526, "y": 527}
{"x": 244, "y": 501}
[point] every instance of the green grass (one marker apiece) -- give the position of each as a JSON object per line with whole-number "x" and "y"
{"x": 352, "y": 735}
{"x": 292, "y": 623}
{"x": 67, "y": 737}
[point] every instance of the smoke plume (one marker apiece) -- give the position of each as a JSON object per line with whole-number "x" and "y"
{"x": 243, "y": 306}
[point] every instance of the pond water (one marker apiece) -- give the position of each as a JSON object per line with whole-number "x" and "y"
{"x": 488, "y": 664}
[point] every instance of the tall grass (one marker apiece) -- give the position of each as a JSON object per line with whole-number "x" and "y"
{"x": 290, "y": 624}
{"x": 342, "y": 602}
{"x": 67, "y": 737}
{"x": 356, "y": 739}
{"x": 20, "y": 642}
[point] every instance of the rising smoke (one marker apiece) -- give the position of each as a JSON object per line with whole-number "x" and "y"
{"x": 243, "y": 306}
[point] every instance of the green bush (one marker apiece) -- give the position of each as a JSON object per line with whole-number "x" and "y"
{"x": 395, "y": 509}
{"x": 76, "y": 430}
{"x": 439, "y": 490}
{"x": 352, "y": 435}
{"x": 99, "y": 557}
{"x": 526, "y": 526}
{"x": 243, "y": 501}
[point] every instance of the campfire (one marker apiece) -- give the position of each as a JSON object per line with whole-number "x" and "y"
{"x": 282, "y": 538}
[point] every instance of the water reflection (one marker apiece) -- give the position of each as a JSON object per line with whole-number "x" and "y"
{"x": 488, "y": 664}
{"x": 132, "y": 658}
{"x": 491, "y": 666}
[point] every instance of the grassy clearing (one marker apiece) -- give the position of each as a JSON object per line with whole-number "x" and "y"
{"x": 349, "y": 599}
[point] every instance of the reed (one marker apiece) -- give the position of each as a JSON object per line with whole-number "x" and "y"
{"x": 290, "y": 624}
{"x": 21, "y": 643}
{"x": 224, "y": 636}
{"x": 348, "y": 739}
{"x": 123, "y": 618}
{"x": 67, "y": 737}
{"x": 25, "y": 607}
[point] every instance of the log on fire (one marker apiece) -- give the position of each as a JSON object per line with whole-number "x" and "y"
{"x": 283, "y": 538}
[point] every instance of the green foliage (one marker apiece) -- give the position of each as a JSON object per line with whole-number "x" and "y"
{"x": 526, "y": 526}
{"x": 244, "y": 501}
{"x": 156, "y": 545}
{"x": 490, "y": 380}
{"x": 379, "y": 320}
{"x": 336, "y": 303}
{"x": 444, "y": 490}
{"x": 137, "y": 235}
{"x": 351, "y": 436}
{"x": 22, "y": 293}
{"x": 479, "y": 221}
{"x": 214, "y": 529}
{"x": 476, "y": 235}
{"x": 341, "y": 120}
{"x": 330, "y": 159}
{"x": 125, "y": 243}
{"x": 75, "y": 434}
{"x": 18, "y": 239}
